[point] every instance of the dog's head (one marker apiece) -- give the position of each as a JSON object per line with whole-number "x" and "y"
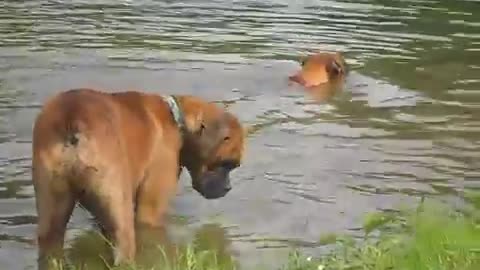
{"x": 212, "y": 148}
{"x": 320, "y": 68}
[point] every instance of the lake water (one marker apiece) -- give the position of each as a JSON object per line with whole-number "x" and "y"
{"x": 406, "y": 125}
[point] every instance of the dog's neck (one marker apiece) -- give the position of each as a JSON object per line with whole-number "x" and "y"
{"x": 176, "y": 111}
{"x": 178, "y": 115}
{"x": 192, "y": 110}
{"x": 184, "y": 112}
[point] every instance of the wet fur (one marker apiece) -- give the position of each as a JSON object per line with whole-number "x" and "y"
{"x": 120, "y": 155}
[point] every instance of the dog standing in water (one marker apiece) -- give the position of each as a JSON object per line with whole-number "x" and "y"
{"x": 120, "y": 155}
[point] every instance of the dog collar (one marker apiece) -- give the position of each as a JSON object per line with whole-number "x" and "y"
{"x": 175, "y": 110}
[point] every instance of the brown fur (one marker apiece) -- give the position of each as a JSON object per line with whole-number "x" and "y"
{"x": 320, "y": 68}
{"x": 119, "y": 155}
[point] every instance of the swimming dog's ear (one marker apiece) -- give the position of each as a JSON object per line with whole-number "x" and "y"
{"x": 335, "y": 68}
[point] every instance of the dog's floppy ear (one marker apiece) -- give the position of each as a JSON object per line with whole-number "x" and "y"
{"x": 340, "y": 61}
{"x": 194, "y": 122}
{"x": 334, "y": 67}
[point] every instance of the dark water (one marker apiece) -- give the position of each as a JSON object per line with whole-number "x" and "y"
{"x": 406, "y": 125}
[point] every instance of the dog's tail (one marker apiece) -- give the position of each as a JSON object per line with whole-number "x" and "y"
{"x": 70, "y": 131}
{"x": 58, "y": 134}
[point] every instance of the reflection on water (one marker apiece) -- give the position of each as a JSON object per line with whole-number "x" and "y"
{"x": 324, "y": 92}
{"x": 88, "y": 249}
{"x": 405, "y": 124}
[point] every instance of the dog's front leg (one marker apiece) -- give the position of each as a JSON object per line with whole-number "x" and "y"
{"x": 156, "y": 191}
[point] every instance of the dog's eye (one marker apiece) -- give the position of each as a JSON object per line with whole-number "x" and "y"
{"x": 226, "y": 138}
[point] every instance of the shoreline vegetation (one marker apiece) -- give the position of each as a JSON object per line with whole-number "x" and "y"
{"x": 432, "y": 236}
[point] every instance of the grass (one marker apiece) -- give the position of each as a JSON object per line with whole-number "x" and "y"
{"x": 432, "y": 237}
{"x": 188, "y": 259}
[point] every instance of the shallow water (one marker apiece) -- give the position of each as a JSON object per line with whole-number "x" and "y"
{"x": 406, "y": 124}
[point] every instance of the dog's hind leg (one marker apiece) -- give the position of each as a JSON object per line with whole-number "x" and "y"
{"x": 54, "y": 204}
{"x": 111, "y": 204}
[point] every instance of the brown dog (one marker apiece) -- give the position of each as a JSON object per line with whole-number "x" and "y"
{"x": 320, "y": 68}
{"x": 120, "y": 155}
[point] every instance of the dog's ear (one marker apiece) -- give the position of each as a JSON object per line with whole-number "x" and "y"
{"x": 334, "y": 67}
{"x": 194, "y": 122}
{"x": 340, "y": 59}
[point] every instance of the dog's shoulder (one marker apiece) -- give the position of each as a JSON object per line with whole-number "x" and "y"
{"x": 134, "y": 105}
